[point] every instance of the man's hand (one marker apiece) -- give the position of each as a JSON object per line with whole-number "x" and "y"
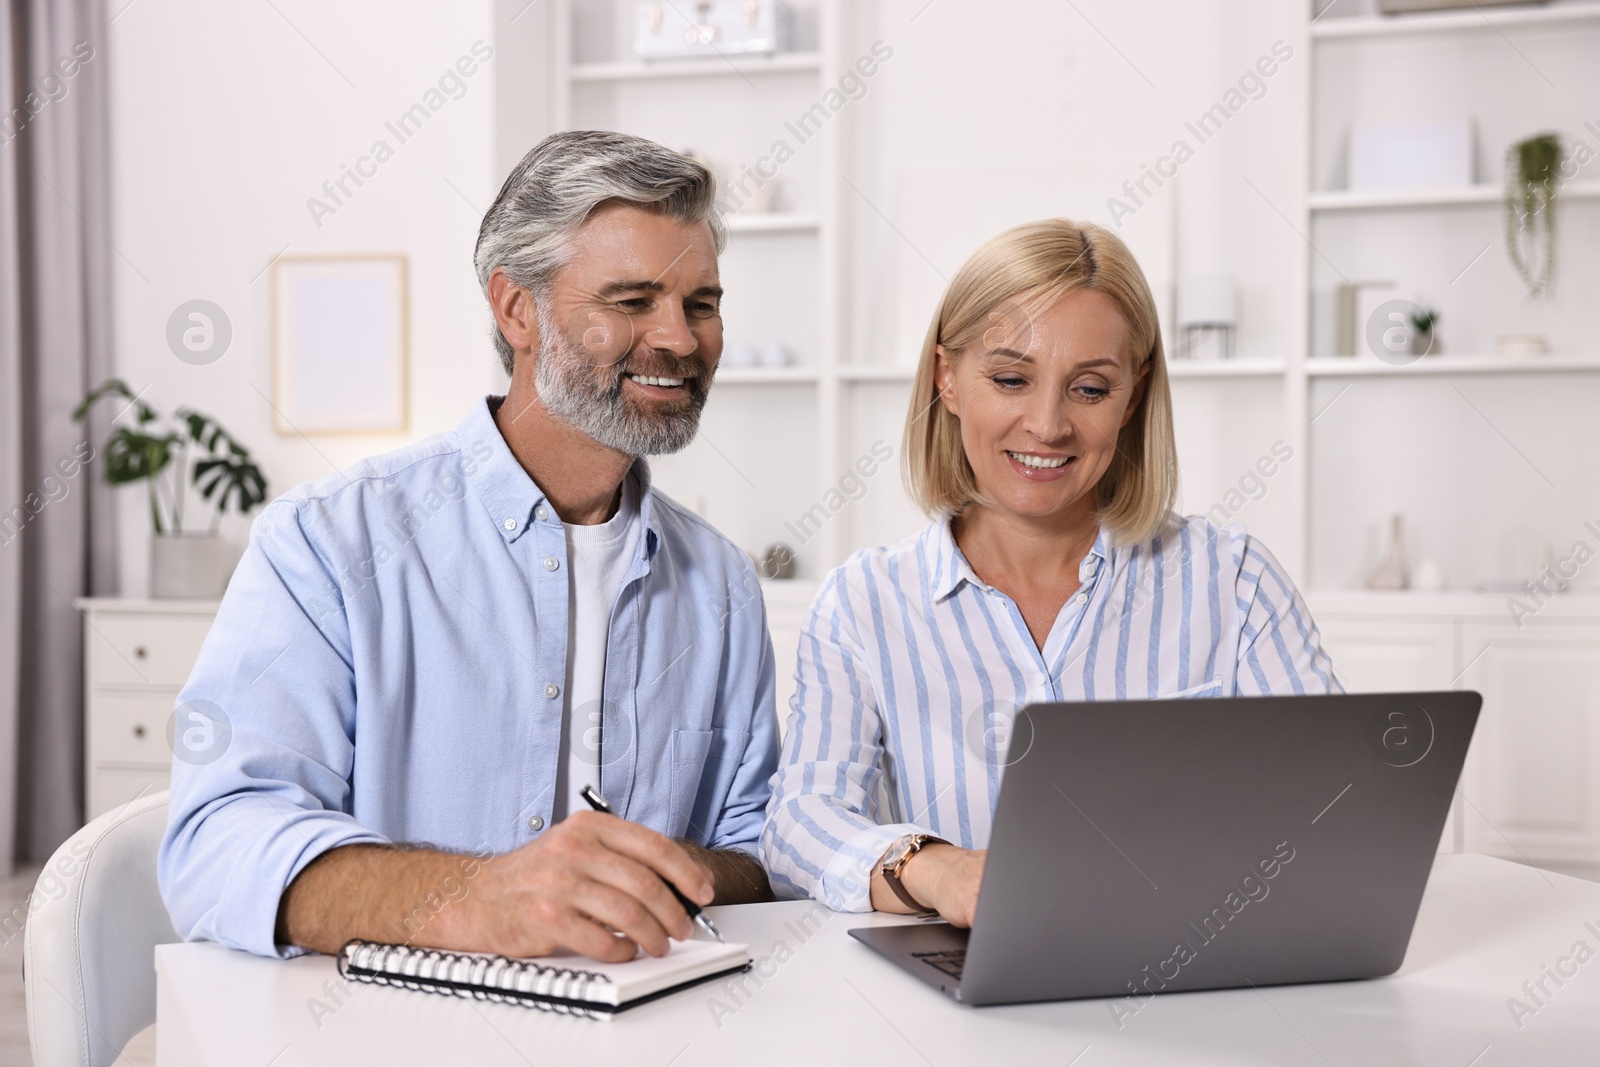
{"x": 563, "y": 890}
{"x": 588, "y": 872}
{"x": 942, "y": 877}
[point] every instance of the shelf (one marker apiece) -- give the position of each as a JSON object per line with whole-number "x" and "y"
{"x": 1228, "y": 368}
{"x": 1224, "y": 368}
{"x": 764, "y": 376}
{"x": 1461, "y": 196}
{"x": 867, "y": 372}
{"x": 773, "y": 222}
{"x": 634, "y": 70}
{"x": 1356, "y": 366}
{"x": 1449, "y": 21}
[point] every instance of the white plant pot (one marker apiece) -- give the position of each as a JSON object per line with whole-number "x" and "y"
{"x": 189, "y": 566}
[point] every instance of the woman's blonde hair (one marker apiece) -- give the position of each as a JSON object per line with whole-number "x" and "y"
{"x": 1022, "y": 272}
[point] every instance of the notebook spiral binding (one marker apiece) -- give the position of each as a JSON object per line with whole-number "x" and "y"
{"x": 491, "y": 978}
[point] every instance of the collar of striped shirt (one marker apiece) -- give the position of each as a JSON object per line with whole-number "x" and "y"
{"x": 950, "y": 567}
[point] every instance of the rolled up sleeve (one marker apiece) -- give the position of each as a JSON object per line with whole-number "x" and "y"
{"x": 748, "y": 695}
{"x": 263, "y": 744}
{"x": 1280, "y": 648}
{"x": 822, "y": 836}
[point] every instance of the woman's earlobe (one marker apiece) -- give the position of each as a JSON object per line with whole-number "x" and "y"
{"x": 944, "y": 386}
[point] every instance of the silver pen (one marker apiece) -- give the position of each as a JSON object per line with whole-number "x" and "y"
{"x": 599, "y": 803}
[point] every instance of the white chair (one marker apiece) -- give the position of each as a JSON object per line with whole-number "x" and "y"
{"x": 95, "y": 919}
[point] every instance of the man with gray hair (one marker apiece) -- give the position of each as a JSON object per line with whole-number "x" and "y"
{"x": 421, "y": 662}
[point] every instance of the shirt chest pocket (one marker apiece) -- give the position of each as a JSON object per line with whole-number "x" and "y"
{"x": 702, "y": 769}
{"x": 1212, "y": 688}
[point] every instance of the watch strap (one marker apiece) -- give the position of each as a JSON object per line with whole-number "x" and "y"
{"x": 891, "y": 872}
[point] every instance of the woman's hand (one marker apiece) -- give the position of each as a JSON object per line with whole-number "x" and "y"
{"x": 942, "y": 877}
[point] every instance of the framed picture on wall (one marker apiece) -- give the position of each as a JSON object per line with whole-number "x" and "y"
{"x": 339, "y": 344}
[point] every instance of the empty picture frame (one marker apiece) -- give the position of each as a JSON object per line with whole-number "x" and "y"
{"x": 339, "y": 344}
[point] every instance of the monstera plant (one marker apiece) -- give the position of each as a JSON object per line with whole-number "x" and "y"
{"x": 168, "y": 455}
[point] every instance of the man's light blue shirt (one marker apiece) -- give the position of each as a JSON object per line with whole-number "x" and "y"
{"x": 389, "y": 665}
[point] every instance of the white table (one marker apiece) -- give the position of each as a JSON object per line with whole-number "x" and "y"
{"x": 1485, "y": 927}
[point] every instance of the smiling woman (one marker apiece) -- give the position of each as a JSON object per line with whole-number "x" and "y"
{"x": 1039, "y": 440}
{"x": 1056, "y": 311}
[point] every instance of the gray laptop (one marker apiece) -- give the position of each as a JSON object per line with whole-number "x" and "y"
{"x": 1155, "y": 846}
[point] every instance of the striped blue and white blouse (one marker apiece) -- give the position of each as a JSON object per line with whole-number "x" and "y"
{"x": 911, "y": 669}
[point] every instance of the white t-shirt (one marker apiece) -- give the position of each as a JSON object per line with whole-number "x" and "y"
{"x": 598, "y": 558}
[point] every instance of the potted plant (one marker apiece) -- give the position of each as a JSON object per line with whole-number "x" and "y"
{"x": 1532, "y": 168}
{"x": 1423, "y": 321}
{"x": 191, "y": 449}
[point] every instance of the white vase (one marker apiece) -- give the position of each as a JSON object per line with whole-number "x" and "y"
{"x": 189, "y": 566}
{"x": 1391, "y": 572}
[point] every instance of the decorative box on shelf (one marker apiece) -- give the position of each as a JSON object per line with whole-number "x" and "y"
{"x": 706, "y": 28}
{"x": 137, "y": 655}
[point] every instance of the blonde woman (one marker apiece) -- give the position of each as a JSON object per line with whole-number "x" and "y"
{"x": 1039, "y": 440}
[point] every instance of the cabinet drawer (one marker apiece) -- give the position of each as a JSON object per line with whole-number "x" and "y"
{"x": 110, "y": 787}
{"x": 129, "y": 729}
{"x": 146, "y": 649}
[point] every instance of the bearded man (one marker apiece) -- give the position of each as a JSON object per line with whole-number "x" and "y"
{"x": 421, "y": 661}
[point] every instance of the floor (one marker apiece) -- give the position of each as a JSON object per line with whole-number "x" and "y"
{"x": 140, "y": 1052}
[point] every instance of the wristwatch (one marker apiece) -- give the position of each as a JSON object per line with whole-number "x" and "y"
{"x": 894, "y": 861}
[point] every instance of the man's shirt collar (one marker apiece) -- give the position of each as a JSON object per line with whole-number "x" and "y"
{"x": 512, "y": 498}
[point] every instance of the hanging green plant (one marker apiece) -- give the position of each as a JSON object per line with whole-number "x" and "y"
{"x": 1532, "y": 167}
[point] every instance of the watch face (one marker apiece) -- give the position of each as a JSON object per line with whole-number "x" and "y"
{"x": 913, "y": 845}
{"x": 899, "y": 853}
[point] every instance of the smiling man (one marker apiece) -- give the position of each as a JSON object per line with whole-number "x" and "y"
{"x": 400, "y": 731}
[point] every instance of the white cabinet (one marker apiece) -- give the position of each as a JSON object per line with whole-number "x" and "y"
{"x": 1378, "y": 654}
{"x": 137, "y": 655}
{"x": 1530, "y": 790}
{"x": 1382, "y": 654}
{"x": 1533, "y": 777}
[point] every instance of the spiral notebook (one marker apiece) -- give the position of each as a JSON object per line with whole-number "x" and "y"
{"x": 570, "y": 984}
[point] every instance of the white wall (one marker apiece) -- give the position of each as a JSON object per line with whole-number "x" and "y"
{"x": 225, "y": 119}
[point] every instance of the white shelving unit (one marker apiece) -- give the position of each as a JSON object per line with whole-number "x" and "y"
{"x": 766, "y": 376}
{"x": 735, "y": 107}
{"x": 786, "y": 63}
{"x": 1404, "y": 68}
{"x": 1359, "y": 366}
{"x": 1467, "y": 196}
{"x": 836, "y": 399}
{"x": 1479, "y": 18}
{"x": 1227, "y": 368}
{"x": 774, "y": 222}
{"x": 1461, "y": 442}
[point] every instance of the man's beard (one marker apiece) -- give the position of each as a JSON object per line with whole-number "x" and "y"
{"x": 587, "y": 394}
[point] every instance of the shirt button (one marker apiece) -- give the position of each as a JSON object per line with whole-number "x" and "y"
{"x": 535, "y": 823}
{"x": 1082, "y": 598}
{"x": 510, "y": 524}
{"x": 1044, "y": 679}
{"x": 551, "y": 563}
{"x": 552, "y": 690}
{"x": 540, "y": 512}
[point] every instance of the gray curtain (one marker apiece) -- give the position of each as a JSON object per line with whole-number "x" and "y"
{"x": 56, "y": 531}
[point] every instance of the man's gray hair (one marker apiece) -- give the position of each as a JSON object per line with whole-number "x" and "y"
{"x": 527, "y": 231}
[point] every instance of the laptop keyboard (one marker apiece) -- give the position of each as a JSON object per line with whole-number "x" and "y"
{"x": 949, "y": 961}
